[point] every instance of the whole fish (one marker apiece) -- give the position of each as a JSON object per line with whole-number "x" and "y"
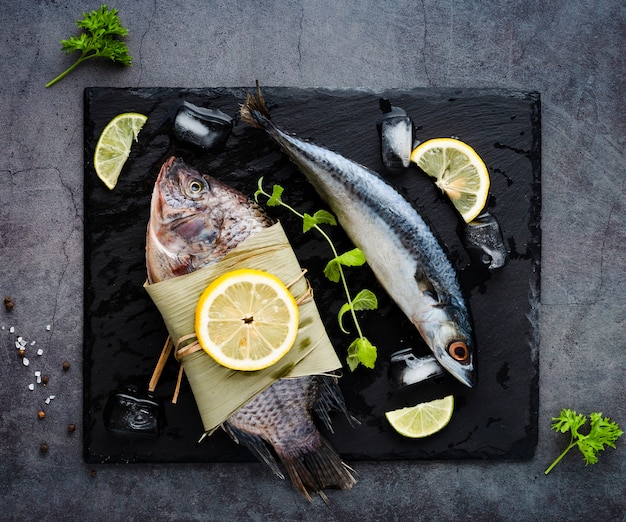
{"x": 399, "y": 246}
{"x": 194, "y": 221}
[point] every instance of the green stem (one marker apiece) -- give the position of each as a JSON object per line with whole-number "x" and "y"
{"x": 335, "y": 253}
{"x": 558, "y": 459}
{"x": 343, "y": 280}
{"x": 81, "y": 59}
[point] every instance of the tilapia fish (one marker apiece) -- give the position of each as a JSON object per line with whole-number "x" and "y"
{"x": 195, "y": 220}
{"x": 399, "y": 246}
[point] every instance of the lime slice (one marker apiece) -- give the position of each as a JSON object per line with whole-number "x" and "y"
{"x": 458, "y": 171}
{"x": 423, "y": 419}
{"x": 247, "y": 320}
{"x": 114, "y": 145}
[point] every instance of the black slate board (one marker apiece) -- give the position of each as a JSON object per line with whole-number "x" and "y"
{"x": 124, "y": 332}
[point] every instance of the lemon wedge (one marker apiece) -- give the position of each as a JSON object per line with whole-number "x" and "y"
{"x": 114, "y": 145}
{"x": 458, "y": 171}
{"x": 246, "y": 320}
{"x": 423, "y": 419}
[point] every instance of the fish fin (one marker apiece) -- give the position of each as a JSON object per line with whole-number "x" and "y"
{"x": 427, "y": 287}
{"x": 256, "y": 445}
{"x": 331, "y": 399}
{"x": 254, "y": 111}
{"x": 424, "y": 284}
{"x": 318, "y": 469}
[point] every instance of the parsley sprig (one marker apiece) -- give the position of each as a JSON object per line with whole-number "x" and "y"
{"x": 361, "y": 350}
{"x": 102, "y": 29}
{"x": 602, "y": 432}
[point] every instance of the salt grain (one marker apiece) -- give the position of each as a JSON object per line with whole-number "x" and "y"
{"x": 25, "y": 361}
{"x": 48, "y": 327}
{"x": 40, "y": 352}
{"x": 12, "y": 329}
{"x": 38, "y": 375}
{"x": 48, "y": 399}
{"x": 33, "y": 343}
{"x": 31, "y": 386}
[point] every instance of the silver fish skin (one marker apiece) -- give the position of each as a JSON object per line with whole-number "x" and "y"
{"x": 400, "y": 248}
{"x": 194, "y": 221}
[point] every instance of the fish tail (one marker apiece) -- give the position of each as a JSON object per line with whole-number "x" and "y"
{"x": 318, "y": 469}
{"x": 254, "y": 110}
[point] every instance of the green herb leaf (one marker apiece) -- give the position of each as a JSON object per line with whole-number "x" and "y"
{"x": 321, "y": 217}
{"x": 101, "y": 39}
{"x": 353, "y": 257}
{"x": 274, "y": 200}
{"x": 361, "y": 351}
{"x": 603, "y": 432}
{"x": 364, "y": 300}
{"x": 568, "y": 420}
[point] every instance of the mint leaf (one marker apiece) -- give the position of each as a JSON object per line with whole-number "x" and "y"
{"x": 274, "y": 200}
{"x": 364, "y": 300}
{"x": 361, "y": 351}
{"x": 353, "y": 257}
{"x": 321, "y": 217}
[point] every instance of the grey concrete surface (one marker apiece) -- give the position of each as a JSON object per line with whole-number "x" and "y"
{"x": 571, "y": 51}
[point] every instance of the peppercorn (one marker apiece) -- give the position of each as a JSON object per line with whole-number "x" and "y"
{"x": 43, "y": 448}
{"x": 93, "y": 473}
{"x": 21, "y": 352}
{"x": 66, "y": 366}
{"x": 44, "y": 380}
{"x": 71, "y": 428}
{"x": 41, "y": 414}
{"x": 8, "y": 303}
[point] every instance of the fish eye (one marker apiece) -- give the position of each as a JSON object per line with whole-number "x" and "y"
{"x": 459, "y": 351}
{"x": 195, "y": 187}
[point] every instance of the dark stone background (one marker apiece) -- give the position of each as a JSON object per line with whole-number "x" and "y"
{"x": 570, "y": 52}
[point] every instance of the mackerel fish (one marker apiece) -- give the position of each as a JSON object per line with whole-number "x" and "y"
{"x": 195, "y": 220}
{"x": 400, "y": 248}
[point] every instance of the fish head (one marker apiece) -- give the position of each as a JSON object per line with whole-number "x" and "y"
{"x": 447, "y": 332}
{"x": 195, "y": 219}
{"x": 185, "y": 220}
{"x": 184, "y": 205}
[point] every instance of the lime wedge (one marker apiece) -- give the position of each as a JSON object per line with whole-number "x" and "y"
{"x": 114, "y": 146}
{"x": 423, "y": 419}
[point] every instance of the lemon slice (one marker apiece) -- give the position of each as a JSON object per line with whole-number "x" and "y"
{"x": 247, "y": 320}
{"x": 114, "y": 145}
{"x": 423, "y": 419}
{"x": 459, "y": 172}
